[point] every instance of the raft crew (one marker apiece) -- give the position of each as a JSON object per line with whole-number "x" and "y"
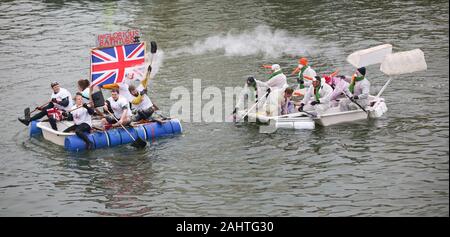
{"x": 305, "y": 72}
{"x": 252, "y": 91}
{"x": 80, "y": 114}
{"x": 286, "y": 105}
{"x": 316, "y": 97}
{"x": 61, "y": 100}
{"x": 340, "y": 86}
{"x": 119, "y": 108}
{"x": 358, "y": 91}
{"x": 143, "y": 106}
{"x": 277, "y": 80}
{"x": 83, "y": 88}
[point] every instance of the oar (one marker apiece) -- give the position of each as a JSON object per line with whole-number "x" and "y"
{"x": 138, "y": 143}
{"x": 153, "y": 49}
{"x": 248, "y": 111}
{"x": 355, "y": 102}
{"x": 27, "y": 112}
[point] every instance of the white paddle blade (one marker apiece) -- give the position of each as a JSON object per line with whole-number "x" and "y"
{"x": 404, "y": 62}
{"x": 370, "y": 56}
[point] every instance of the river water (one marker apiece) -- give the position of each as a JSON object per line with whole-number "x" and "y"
{"x": 394, "y": 166}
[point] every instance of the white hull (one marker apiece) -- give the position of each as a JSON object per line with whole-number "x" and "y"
{"x": 289, "y": 121}
{"x": 51, "y": 135}
{"x": 59, "y": 136}
{"x": 331, "y": 117}
{"x": 334, "y": 116}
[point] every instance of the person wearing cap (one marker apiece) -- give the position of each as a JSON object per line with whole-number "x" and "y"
{"x": 277, "y": 80}
{"x": 61, "y": 100}
{"x": 119, "y": 108}
{"x": 141, "y": 104}
{"x": 252, "y": 91}
{"x": 339, "y": 85}
{"x": 358, "y": 91}
{"x": 80, "y": 114}
{"x": 305, "y": 73}
{"x": 316, "y": 97}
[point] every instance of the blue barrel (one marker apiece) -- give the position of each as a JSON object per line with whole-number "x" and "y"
{"x": 141, "y": 132}
{"x": 155, "y": 130}
{"x": 125, "y": 136}
{"x": 101, "y": 139}
{"x": 176, "y": 126}
{"x": 34, "y": 130}
{"x": 114, "y": 137}
{"x": 74, "y": 143}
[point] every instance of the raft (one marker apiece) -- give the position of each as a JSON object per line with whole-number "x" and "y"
{"x": 104, "y": 139}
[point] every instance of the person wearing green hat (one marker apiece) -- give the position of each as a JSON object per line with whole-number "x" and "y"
{"x": 357, "y": 92}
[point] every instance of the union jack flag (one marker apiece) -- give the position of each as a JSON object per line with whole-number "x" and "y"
{"x": 111, "y": 65}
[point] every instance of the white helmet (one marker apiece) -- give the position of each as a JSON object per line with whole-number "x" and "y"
{"x": 275, "y": 67}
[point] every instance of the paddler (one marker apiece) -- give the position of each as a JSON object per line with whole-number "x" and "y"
{"x": 120, "y": 109}
{"x": 316, "y": 97}
{"x": 141, "y": 103}
{"x": 83, "y": 88}
{"x": 80, "y": 114}
{"x": 252, "y": 91}
{"x": 61, "y": 100}
{"x": 277, "y": 80}
{"x": 339, "y": 85}
{"x": 305, "y": 73}
{"x": 358, "y": 91}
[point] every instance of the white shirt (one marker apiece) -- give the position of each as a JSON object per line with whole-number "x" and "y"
{"x": 85, "y": 95}
{"x": 63, "y": 93}
{"x": 80, "y": 116}
{"x": 119, "y": 105}
{"x": 145, "y": 103}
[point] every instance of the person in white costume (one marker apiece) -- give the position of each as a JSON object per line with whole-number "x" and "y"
{"x": 305, "y": 73}
{"x": 316, "y": 97}
{"x": 358, "y": 91}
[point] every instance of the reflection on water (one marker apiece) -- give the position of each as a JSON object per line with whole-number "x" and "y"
{"x": 393, "y": 166}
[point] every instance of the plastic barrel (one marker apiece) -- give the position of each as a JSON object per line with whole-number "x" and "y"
{"x": 74, "y": 143}
{"x": 155, "y": 130}
{"x": 34, "y": 130}
{"x": 114, "y": 137}
{"x": 101, "y": 139}
{"x": 176, "y": 126}
{"x": 141, "y": 132}
{"x": 125, "y": 136}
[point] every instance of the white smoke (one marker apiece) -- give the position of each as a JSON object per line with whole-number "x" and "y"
{"x": 261, "y": 40}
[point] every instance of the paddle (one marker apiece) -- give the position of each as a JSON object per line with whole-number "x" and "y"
{"x": 248, "y": 111}
{"x": 138, "y": 143}
{"x": 355, "y": 102}
{"x": 27, "y": 112}
{"x": 153, "y": 49}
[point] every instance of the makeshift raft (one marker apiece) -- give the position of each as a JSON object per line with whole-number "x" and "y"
{"x": 103, "y": 139}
